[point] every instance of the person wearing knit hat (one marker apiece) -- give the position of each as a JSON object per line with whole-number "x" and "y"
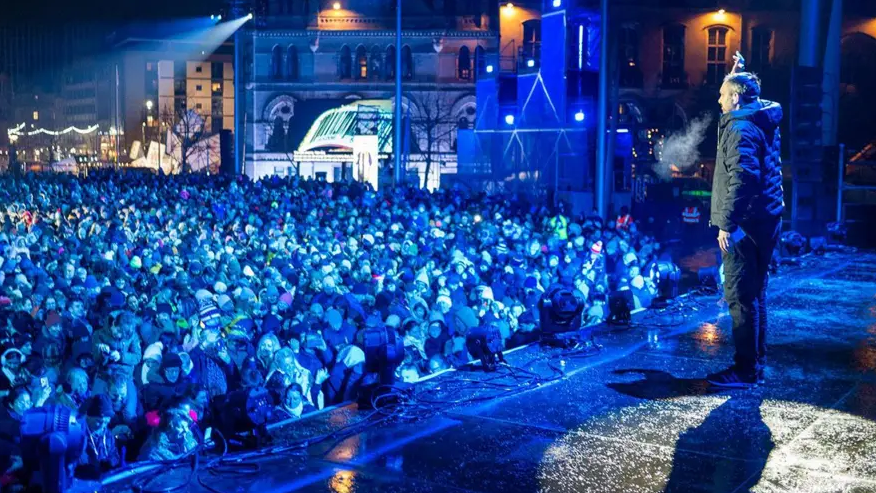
{"x": 167, "y": 385}
{"x": 596, "y": 248}
{"x": 100, "y": 454}
{"x": 151, "y": 363}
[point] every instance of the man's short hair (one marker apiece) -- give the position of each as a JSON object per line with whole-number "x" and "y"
{"x": 746, "y": 84}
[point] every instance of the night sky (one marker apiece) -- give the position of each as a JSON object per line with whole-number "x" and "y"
{"x": 121, "y": 10}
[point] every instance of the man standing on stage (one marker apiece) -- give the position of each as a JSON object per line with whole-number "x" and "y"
{"x": 747, "y": 204}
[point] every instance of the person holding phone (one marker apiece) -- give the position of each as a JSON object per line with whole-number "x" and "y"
{"x": 747, "y": 205}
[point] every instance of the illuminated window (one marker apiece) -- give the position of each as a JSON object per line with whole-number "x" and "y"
{"x": 716, "y": 67}
{"x": 362, "y": 62}
{"x": 217, "y": 88}
{"x": 464, "y": 64}
{"x": 36, "y": 115}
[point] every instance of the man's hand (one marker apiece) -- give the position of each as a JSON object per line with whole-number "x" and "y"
{"x": 16, "y": 464}
{"x": 321, "y": 376}
{"x": 727, "y": 240}
{"x": 724, "y": 241}
{"x": 738, "y": 63}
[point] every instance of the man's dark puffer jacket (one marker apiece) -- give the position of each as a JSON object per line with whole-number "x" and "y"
{"x": 747, "y": 186}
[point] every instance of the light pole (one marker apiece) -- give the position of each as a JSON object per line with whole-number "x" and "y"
{"x": 396, "y": 141}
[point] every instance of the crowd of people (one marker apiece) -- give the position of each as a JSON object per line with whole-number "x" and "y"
{"x": 138, "y": 300}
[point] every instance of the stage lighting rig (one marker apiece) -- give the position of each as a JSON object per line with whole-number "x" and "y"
{"x": 51, "y": 441}
{"x": 620, "y": 307}
{"x": 485, "y": 344}
{"x": 666, "y": 276}
{"x": 242, "y": 411}
{"x": 384, "y": 352}
{"x": 560, "y": 310}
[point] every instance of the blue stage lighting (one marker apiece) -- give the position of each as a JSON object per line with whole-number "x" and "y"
{"x": 509, "y": 119}
{"x": 557, "y": 3}
{"x": 579, "y": 116}
{"x": 212, "y": 17}
{"x": 250, "y": 16}
{"x": 530, "y": 63}
{"x": 218, "y": 17}
{"x": 489, "y": 69}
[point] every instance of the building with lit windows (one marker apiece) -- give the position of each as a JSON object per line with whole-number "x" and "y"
{"x": 168, "y": 84}
{"x": 665, "y": 70}
{"x": 320, "y": 85}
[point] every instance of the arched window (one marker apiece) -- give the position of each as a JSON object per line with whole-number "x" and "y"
{"x": 277, "y": 62}
{"x": 345, "y": 69}
{"x": 761, "y": 48}
{"x": 630, "y": 73}
{"x": 376, "y": 62}
{"x": 361, "y": 63}
{"x": 716, "y": 64}
{"x": 673, "y": 56}
{"x": 390, "y": 62}
{"x": 480, "y": 61}
{"x": 292, "y": 63}
{"x": 407, "y": 62}
{"x": 463, "y": 64}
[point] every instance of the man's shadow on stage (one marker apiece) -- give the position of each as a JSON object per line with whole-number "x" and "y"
{"x": 727, "y": 450}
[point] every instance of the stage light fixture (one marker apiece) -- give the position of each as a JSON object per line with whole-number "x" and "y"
{"x": 509, "y": 119}
{"x": 218, "y": 17}
{"x": 249, "y": 16}
{"x": 530, "y": 63}
{"x": 384, "y": 351}
{"x": 485, "y": 344}
{"x": 336, "y": 5}
{"x": 489, "y": 69}
{"x": 666, "y": 276}
{"x": 244, "y": 410}
{"x": 559, "y": 311}
{"x": 620, "y": 307}
{"x": 557, "y": 3}
{"x": 51, "y": 437}
{"x": 792, "y": 242}
{"x": 579, "y": 116}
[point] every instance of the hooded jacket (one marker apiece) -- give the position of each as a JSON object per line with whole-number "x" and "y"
{"x": 747, "y": 185}
{"x": 8, "y": 378}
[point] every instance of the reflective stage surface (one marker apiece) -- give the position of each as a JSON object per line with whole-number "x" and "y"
{"x": 634, "y": 418}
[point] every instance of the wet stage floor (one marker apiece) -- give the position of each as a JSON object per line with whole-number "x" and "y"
{"x": 634, "y": 418}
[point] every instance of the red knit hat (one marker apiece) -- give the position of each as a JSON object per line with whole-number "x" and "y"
{"x": 596, "y": 249}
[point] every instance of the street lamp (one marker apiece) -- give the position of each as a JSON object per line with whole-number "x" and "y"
{"x": 149, "y": 104}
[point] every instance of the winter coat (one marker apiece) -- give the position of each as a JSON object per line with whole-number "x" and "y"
{"x": 100, "y": 455}
{"x": 214, "y": 374}
{"x": 129, "y": 349}
{"x": 747, "y": 186}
